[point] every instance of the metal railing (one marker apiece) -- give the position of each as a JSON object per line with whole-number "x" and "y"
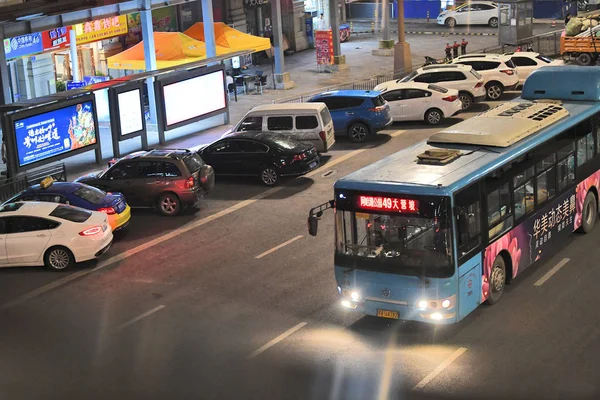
{"x": 547, "y": 44}
{"x": 13, "y": 186}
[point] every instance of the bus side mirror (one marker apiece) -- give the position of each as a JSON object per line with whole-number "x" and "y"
{"x": 313, "y": 225}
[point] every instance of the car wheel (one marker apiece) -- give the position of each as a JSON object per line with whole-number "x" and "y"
{"x": 590, "y": 213}
{"x": 493, "y": 22}
{"x": 494, "y": 90}
{"x": 169, "y": 204}
{"x": 450, "y": 22}
{"x": 358, "y": 132}
{"x": 497, "y": 280}
{"x": 269, "y": 176}
{"x": 466, "y": 100}
{"x": 584, "y": 59}
{"x": 58, "y": 258}
{"x": 433, "y": 116}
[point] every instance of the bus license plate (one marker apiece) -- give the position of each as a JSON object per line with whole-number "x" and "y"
{"x": 388, "y": 314}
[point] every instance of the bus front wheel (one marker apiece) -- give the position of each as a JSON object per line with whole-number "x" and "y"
{"x": 497, "y": 280}
{"x": 590, "y": 213}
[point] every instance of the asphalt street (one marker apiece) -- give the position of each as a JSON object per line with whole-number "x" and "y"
{"x": 210, "y": 305}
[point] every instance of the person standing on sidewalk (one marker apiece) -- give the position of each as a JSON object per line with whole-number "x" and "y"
{"x": 463, "y": 47}
{"x": 321, "y": 24}
{"x": 448, "y": 52}
{"x": 455, "y": 47}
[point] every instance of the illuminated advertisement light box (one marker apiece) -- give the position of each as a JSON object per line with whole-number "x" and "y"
{"x": 57, "y": 132}
{"x": 100, "y": 29}
{"x": 130, "y": 112}
{"x": 190, "y": 99}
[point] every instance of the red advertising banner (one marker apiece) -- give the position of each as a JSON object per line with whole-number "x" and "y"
{"x": 324, "y": 46}
{"x": 56, "y": 38}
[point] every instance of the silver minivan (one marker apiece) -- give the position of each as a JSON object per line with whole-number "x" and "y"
{"x": 305, "y": 122}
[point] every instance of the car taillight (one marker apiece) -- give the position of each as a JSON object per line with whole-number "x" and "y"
{"x": 508, "y": 72}
{"x": 299, "y": 157}
{"x": 450, "y": 98}
{"x": 377, "y": 109}
{"x": 107, "y": 210}
{"x": 189, "y": 183}
{"x": 479, "y": 84}
{"x": 322, "y": 136}
{"x": 94, "y": 230}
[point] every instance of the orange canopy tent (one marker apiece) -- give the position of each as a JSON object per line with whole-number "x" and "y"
{"x": 172, "y": 49}
{"x": 232, "y": 39}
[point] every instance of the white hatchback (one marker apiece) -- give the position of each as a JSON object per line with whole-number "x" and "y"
{"x": 471, "y": 13}
{"x": 50, "y": 234}
{"x": 498, "y": 72}
{"x": 528, "y": 61}
{"x": 415, "y": 101}
{"x": 463, "y": 78}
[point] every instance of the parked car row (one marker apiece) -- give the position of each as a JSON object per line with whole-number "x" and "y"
{"x": 57, "y": 224}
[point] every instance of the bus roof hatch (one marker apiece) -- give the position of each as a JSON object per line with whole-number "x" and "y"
{"x": 502, "y": 126}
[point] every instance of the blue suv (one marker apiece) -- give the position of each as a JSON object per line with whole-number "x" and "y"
{"x": 356, "y": 113}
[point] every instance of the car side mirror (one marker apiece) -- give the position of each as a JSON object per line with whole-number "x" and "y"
{"x": 313, "y": 225}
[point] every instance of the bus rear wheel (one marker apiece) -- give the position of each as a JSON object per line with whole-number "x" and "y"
{"x": 497, "y": 280}
{"x": 590, "y": 213}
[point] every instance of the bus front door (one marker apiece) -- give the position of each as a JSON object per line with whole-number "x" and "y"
{"x": 469, "y": 286}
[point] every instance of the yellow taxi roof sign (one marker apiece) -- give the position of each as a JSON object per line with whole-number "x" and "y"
{"x": 46, "y": 182}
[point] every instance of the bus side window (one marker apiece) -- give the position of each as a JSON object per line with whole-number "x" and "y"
{"x": 499, "y": 211}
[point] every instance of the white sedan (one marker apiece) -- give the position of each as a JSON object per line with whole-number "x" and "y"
{"x": 414, "y": 101}
{"x": 50, "y": 234}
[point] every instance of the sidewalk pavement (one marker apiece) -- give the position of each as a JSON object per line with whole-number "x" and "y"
{"x": 303, "y": 70}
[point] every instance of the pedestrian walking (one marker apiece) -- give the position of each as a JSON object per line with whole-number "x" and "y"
{"x": 448, "y": 52}
{"x": 455, "y": 47}
{"x": 463, "y": 47}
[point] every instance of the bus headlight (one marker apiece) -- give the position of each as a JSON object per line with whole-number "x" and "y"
{"x": 349, "y": 304}
{"x": 422, "y": 304}
{"x": 436, "y": 316}
{"x": 355, "y": 296}
{"x": 446, "y": 303}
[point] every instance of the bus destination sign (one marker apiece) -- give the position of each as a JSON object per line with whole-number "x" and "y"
{"x": 379, "y": 203}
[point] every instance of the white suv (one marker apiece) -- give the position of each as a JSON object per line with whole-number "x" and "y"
{"x": 471, "y": 13}
{"x": 463, "y": 78}
{"x": 499, "y": 73}
{"x": 528, "y": 61}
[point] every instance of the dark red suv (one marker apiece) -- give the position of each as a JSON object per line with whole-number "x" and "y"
{"x": 164, "y": 179}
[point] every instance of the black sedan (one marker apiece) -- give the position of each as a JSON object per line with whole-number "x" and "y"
{"x": 266, "y": 155}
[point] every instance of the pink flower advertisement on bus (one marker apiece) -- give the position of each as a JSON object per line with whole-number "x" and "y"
{"x": 529, "y": 241}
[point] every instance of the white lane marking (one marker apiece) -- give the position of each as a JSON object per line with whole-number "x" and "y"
{"x": 279, "y": 246}
{"x": 553, "y": 271}
{"x": 335, "y": 162}
{"x": 138, "y": 318}
{"x": 278, "y": 339}
{"x": 440, "y": 368}
{"x": 163, "y": 238}
{"x": 397, "y": 133}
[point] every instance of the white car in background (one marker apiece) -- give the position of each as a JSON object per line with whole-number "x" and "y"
{"x": 499, "y": 73}
{"x": 55, "y": 235}
{"x": 415, "y": 101}
{"x": 463, "y": 78}
{"x": 471, "y": 13}
{"x": 528, "y": 61}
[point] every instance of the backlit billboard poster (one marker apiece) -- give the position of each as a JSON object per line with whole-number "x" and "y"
{"x": 188, "y": 100}
{"x": 55, "y": 132}
{"x": 130, "y": 111}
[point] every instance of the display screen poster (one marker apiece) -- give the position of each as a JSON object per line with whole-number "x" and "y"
{"x": 208, "y": 93}
{"x": 130, "y": 112}
{"x": 55, "y": 132}
{"x": 324, "y": 46}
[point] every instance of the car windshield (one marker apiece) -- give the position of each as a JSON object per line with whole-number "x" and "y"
{"x": 544, "y": 59}
{"x": 408, "y": 77}
{"x": 194, "y": 162}
{"x": 408, "y": 244}
{"x": 70, "y": 213}
{"x": 437, "y": 88}
{"x": 90, "y": 194}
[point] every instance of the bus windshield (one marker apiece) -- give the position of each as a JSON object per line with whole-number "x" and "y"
{"x": 418, "y": 244}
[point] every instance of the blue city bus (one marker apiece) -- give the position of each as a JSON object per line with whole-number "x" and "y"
{"x": 431, "y": 232}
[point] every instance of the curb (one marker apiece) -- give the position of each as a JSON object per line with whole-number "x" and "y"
{"x": 435, "y": 33}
